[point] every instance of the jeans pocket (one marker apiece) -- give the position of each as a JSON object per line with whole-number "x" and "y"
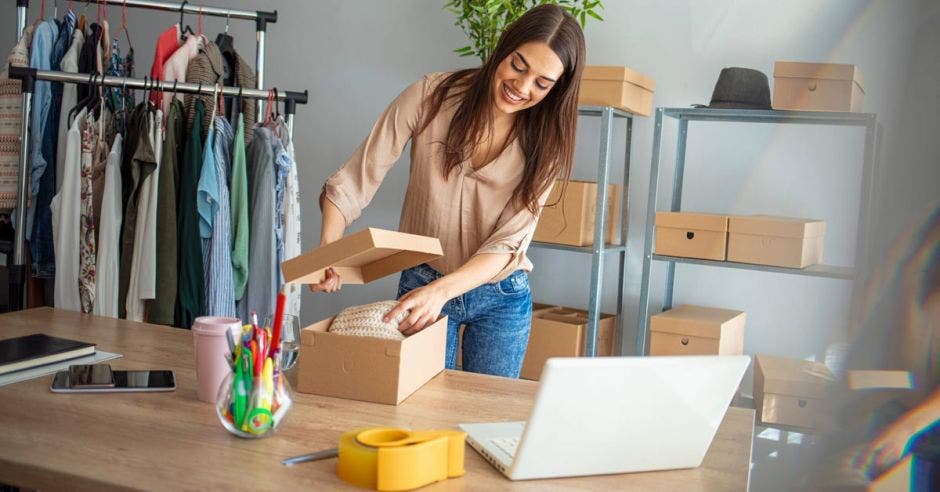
{"x": 411, "y": 279}
{"x": 513, "y": 285}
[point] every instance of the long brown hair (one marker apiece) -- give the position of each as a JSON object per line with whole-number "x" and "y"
{"x": 546, "y": 131}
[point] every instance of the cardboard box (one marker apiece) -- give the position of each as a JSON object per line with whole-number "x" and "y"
{"x": 362, "y": 257}
{"x": 691, "y": 235}
{"x": 791, "y": 392}
{"x": 777, "y": 241}
{"x": 619, "y": 87}
{"x": 366, "y": 368}
{"x": 571, "y": 220}
{"x": 560, "y": 332}
{"x": 697, "y": 330}
{"x": 818, "y": 87}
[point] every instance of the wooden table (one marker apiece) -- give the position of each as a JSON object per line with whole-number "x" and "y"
{"x": 174, "y": 441}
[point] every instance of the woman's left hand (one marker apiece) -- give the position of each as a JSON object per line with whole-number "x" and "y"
{"x": 425, "y": 304}
{"x": 886, "y": 449}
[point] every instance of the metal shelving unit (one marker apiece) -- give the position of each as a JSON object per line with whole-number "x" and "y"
{"x": 600, "y": 249}
{"x": 686, "y": 115}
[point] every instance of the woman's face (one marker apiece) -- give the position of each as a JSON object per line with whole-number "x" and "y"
{"x": 525, "y": 77}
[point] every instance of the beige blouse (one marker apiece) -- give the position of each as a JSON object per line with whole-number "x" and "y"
{"x": 470, "y": 212}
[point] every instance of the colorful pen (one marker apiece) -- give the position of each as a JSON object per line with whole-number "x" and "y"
{"x": 278, "y": 321}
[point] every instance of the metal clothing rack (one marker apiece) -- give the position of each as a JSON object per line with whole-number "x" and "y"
{"x": 684, "y": 116}
{"x": 600, "y": 249}
{"x": 29, "y": 76}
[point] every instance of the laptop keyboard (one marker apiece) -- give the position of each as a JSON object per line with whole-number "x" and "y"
{"x": 507, "y": 444}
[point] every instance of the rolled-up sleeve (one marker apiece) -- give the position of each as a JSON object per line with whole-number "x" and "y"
{"x": 514, "y": 232}
{"x": 352, "y": 187}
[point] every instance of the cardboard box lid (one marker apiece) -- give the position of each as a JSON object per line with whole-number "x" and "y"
{"x": 691, "y": 220}
{"x": 769, "y": 225}
{"x": 794, "y": 377}
{"x": 830, "y": 71}
{"x": 694, "y": 321}
{"x": 613, "y": 72}
{"x": 362, "y": 257}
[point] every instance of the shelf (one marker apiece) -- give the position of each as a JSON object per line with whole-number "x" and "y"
{"x": 825, "y": 271}
{"x": 610, "y": 248}
{"x": 771, "y": 116}
{"x": 599, "y": 110}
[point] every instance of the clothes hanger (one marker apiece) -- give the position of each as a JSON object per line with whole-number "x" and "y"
{"x": 81, "y": 104}
{"x": 127, "y": 34}
{"x": 226, "y": 42}
{"x": 187, "y": 29}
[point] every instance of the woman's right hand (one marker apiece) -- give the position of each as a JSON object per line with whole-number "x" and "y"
{"x": 331, "y": 282}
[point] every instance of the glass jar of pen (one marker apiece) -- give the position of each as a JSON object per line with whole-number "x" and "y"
{"x": 255, "y": 396}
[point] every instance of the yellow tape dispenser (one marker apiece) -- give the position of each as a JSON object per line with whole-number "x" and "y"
{"x": 397, "y": 459}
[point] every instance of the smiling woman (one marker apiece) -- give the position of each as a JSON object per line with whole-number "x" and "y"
{"x": 487, "y": 144}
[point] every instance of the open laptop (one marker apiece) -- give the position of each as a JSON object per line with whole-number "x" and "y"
{"x": 604, "y": 415}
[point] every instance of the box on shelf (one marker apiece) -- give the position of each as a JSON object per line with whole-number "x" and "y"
{"x": 691, "y": 235}
{"x": 571, "y": 220}
{"x": 697, "y": 330}
{"x": 559, "y": 332}
{"x": 818, "y": 87}
{"x": 776, "y": 241}
{"x": 366, "y": 368}
{"x": 791, "y": 392}
{"x": 619, "y": 87}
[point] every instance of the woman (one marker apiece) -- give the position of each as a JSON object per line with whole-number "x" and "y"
{"x": 487, "y": 145}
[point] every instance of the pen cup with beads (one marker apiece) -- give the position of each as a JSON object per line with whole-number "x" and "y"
{"x": 255, "y": 396}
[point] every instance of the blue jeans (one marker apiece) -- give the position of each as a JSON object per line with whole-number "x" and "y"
{"x": 497, "y": 316}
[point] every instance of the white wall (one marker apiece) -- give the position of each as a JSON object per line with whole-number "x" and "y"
{"x": 355, "y": 56}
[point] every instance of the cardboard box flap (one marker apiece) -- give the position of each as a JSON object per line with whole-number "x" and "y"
{"x": 692, "y": 221}
{"x": 830, "y": 71}
{"x": 694, "y": 321}
{"x": 362, "y": 257}
{"x": 768, "y": 225}
{"x": 570, "y": 316}
{"x": 616, "y": 73}
{"x": 794, "y": 377}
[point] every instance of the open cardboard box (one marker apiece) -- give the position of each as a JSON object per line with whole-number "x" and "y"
{"x": 366, "y": 368}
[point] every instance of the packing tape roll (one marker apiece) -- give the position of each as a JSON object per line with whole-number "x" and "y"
{"x": 396, "y": 459}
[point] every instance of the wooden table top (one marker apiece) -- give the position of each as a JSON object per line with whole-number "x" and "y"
{"x": 174, "y": 441}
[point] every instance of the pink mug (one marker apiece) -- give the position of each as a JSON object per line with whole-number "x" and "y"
{"x": 211, "y": 351}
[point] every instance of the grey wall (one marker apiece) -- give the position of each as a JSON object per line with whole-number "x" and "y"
{"x": 355, "y": 56}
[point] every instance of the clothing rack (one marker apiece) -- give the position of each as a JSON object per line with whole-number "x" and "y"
{"x": 261, "y": 18}
{"x": 29, "y": 77}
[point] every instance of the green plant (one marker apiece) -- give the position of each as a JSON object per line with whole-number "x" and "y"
{"x": 484, "y": 20}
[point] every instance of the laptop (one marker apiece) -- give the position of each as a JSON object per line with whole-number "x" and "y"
{"x": 605, "y": 415}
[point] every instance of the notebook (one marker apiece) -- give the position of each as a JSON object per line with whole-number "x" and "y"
{"x": 35, "y": 350}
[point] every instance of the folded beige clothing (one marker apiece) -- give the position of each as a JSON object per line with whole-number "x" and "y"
{"x": 366, "y": 321}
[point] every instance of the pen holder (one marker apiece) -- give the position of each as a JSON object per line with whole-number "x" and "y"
{"x": 252, "y": 408}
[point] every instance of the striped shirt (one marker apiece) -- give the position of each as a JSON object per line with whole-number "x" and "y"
{"x": 214, "y": 212}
